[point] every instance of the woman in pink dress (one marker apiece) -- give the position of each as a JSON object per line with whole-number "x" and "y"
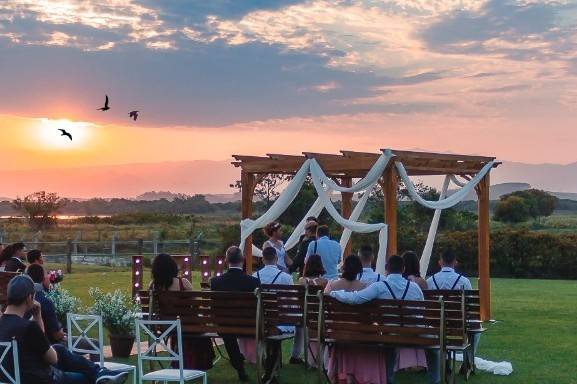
{"x": 412, "y": 358}
{"x": 353, "y": 364}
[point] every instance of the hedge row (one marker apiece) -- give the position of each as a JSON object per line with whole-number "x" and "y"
{"x": 514, "y": 253}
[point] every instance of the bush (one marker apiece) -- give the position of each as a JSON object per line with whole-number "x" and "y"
{"x": 64, "y": 303}
{"x": 118, "y": 310}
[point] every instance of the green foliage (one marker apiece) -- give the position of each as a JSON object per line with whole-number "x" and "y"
{"x": 64, "y": 303}
{"x": 118, "y": 310}
{"x": 511, "y": 209}
{"x": 519, "y": 206}
{"x": 40, "y": 208}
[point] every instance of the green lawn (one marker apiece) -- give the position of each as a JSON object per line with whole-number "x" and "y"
{"x": 534, "y": 330}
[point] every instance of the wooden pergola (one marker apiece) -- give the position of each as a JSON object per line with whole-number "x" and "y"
{"x": 348, "y": 165}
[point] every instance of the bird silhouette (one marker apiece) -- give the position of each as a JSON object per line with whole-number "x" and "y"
{"x": 64, "y": 133}
{"x": 133, "y": 115}
{"x": 106, "y": 107}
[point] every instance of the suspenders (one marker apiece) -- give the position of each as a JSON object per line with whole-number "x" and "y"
{"x": 315, "y": 251}
{"x": 393, "y": 293}
{"x": 273, "y": 280}
{"x": 378, "y": 277}
{"x": 454, "y": 284}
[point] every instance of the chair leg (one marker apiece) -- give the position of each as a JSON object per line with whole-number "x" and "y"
{"x": 134, "y": 375}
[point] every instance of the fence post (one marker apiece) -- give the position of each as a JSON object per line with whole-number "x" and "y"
{"x": 113, "y": 244}
{"x": 140, "y": 247}
{"x": 2, "y": 233}
{"x": 69, "y": 256}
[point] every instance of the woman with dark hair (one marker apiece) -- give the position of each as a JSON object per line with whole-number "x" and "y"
{"x": 412, "y": 269}
{"x": 198, "y": 352}
{"x": 313, "y": 272}
{"x": 348, "y": 281}
{"x": 354, "y": 364}
{"x": 11, "y": 258}
{"x": 274, "y": 233}
{"x": 412, "y": 358}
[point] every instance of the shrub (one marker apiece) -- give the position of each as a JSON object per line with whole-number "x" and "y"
{"x": 118, "y": 310}
{"x": 64, "y": 303}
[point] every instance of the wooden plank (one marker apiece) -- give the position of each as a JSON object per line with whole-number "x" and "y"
{"x": 347, "y": 209}
{"x": 248, "y": 184}
{"x": 390, "y": 183}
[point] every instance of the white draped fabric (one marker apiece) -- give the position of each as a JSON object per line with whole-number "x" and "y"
{"x": 446, "y": 202}
{"x": 428, "y": 250}
{"x": 346, "y": 235}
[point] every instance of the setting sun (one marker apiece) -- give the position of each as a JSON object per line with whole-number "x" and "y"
{"x": 50, "y": 136}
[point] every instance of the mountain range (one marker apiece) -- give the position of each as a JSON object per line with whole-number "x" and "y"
{"x": 213, "y": 178}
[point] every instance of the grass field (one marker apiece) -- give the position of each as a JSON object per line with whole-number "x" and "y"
{"x": 534, "y": 330}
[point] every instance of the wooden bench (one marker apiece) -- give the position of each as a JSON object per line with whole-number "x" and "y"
{"x": 216, "y": 314}
{"x": 474, "y": 326}
{"x": 393, "y": 324}
{"x": 5, "y": 278}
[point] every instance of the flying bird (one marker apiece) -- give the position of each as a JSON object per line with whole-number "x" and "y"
{"x": 133, "y": 115}
{"x": 106, "y": 107}
{"x": 64, "y": 133}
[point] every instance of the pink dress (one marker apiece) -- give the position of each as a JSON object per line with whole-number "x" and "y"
{"x": 411, "y": 358}
{"x": 247, "y": 347}
{"x": 366, "y": 364}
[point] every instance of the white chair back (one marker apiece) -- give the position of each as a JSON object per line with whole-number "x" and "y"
{"x": 79, "y": 340}
{"x": 158, "y": 333}
{"x": 5, "y": 349}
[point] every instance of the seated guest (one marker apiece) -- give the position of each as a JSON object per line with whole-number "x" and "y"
{"x": 354, "y": 364}
{"x": 367, "y": 257}
{"x": 413, "y": 269}
{"x": 329, "y": 251}
{"x": 395, "y": 287}
{"x": 348, "y": 282}
{"x": 447, "y": 278}
{"x": 197, "y": 352}
{"x": 39, "y": 362}
{"x": 234, "y": 280}
{"x": 52, "y": 327}
{"x": 313, "y": 272}
{"x": 12, "y": 256}
{"x": 310, "y": 235}
{"x": 274, "y": 233}
{"x": 270, "y": 273}
{"x": 35, "y": 257}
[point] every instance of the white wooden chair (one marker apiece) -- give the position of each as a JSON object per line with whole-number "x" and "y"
{"x": 5, "y": 349}
{"x": 161, "y": 340}
{"x": 83, "y": 344}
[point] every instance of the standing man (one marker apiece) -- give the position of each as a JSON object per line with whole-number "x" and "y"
{"x": 310, "y": 235}
{"x": 329, "y": 251}
{"x": 235, "y": 280}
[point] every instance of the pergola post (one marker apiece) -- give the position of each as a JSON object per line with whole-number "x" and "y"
{"x": 248, "y": 183}
{"x": 483, "y": 233}
{"x": 389, "y": 185}
{"x": 347, "y": 208}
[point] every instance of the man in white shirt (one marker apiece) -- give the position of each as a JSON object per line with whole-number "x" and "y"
{"x": 368, "y": 274}
{"x": 447, "y": 278}
{"x": 270, "y": 273}
{"x": 395, "y": 287}
{"x": 329, "y": 251}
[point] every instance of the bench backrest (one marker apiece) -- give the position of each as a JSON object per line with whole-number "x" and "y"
{"x": 5, "y": 278}
{"x": 392, "y": 322}
{"x": 209, "y": 313}
{"x": 471, "y": 303}
{"x": 287, "y": 305}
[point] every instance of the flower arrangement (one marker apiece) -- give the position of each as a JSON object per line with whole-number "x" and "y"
{"x": 64, "y": 303}
{"x": 55, "y": 277}
{"x": 118, "y": 310}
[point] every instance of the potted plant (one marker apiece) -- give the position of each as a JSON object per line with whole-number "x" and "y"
{"x": 64, "y": 303}
{"x": 118, "y": 311}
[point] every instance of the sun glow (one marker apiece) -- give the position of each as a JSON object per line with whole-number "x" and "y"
{"x": 50, "y": 136}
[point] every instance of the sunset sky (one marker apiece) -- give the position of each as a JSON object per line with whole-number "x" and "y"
{"x": 219, "y": 77}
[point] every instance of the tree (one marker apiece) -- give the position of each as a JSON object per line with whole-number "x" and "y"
{"x": 511, "y": 209}
{"x": 540, "y": 203}
{"x": 40, "y": 208}
{"x": 267, "y": 188}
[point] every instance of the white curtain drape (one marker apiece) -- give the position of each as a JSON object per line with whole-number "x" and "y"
{"x": 355, "y": 214}
{"x": 432, "y": 235}
{"x": 449, "y": 201}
